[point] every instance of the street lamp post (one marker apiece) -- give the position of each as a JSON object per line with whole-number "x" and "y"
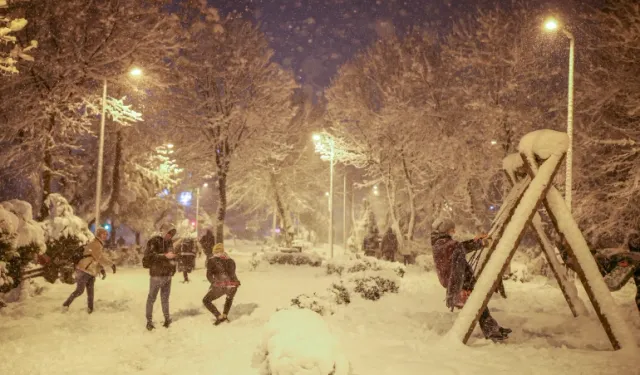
{"x": 320, "y": 147}
{"x": 552, "y": 25}
{"x": 344, "y": 212}
{"x": 197, "y": 209}
{"x": 133, "y": 72}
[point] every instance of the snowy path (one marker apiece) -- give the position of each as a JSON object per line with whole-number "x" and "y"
{"x": 399, "y": 334}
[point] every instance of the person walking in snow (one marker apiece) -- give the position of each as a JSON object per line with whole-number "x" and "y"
{"x": 455, "y": 274}
{"x": 159, "y": 259}
{"x": 187, "y": 257}
{"x": 389, "y": 245}
{"x": 207, "y": 242}
{"x": 221, "y": 273}
{"x": 88, "y": 267}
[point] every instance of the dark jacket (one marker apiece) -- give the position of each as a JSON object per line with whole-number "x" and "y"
{"x": 156, "y": 249}
{"x": 208, "y": 241}
{"x": 443, "y": 248}
{"x": 221, "y": 271}
{"x": 389, "y": 242}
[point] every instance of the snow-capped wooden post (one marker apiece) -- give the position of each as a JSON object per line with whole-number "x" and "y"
{"x": 587, "y": 270}
{"x": 513, "y": 164}
{"x": 508, "y": 242}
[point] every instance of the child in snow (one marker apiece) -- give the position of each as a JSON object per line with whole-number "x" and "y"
{"x": 88, "y": 268}
{"x": 221, "y": 273}
{"x": 456, "y": 274}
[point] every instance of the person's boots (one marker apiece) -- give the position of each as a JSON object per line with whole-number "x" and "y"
{"x": 150, "y": 326}
{"x": 504, "y": 331}
{"x": 167, "y": 322}
{"x": 220, "y": 319}
{"x": 89, "y": 310}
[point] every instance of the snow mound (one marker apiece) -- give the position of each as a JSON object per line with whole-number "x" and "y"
{"x": 425, "y": 262}
{"x": 544, "y": 143}
{"x": 324, "y": 303}
{"x": 299, "y": 342}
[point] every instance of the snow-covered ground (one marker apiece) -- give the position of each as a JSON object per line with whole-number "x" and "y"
{"x": 398, "y": 334}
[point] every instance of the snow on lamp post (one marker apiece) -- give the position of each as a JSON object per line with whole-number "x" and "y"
{"x": 553, "y": 25}
{"x": 321, "y": 141}
{"x": 136, "y": 72}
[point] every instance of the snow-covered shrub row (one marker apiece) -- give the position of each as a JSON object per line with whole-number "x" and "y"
{"x": 295, "y": 259}
{"x": 357, "y": 263}
{"x": 21, "y": 240}
{"x": 425, "y": 262}
{"x": 324, "y": 303}
{"x": 372, "y": 287}
{"x": 299, "y": 342}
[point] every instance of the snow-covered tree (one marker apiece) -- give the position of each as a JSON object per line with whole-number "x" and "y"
{"x": 237, "y": 96}
{"x": 52, "y": 109}
{"x": 21, "y": 240}
{"x": 607, "y": 139}
{"x": 10, "y": 50}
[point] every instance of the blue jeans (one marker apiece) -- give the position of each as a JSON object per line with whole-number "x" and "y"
{"x": 160, "y": 284}
{"x": 83, "y": 280}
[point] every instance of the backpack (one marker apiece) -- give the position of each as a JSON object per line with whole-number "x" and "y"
{"x": 78, "y": 254}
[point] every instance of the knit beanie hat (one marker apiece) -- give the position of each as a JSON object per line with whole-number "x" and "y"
{"x": 446, "y": 225}
{"x": 218, "y": 248}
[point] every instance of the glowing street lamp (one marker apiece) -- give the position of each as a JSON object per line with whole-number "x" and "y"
{"x": 552, "y": 25}
{"x": 135, "y": 72}
{"x": 169, "y": 145}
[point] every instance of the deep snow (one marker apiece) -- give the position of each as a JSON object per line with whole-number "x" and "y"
{"x": 399, "y": 334}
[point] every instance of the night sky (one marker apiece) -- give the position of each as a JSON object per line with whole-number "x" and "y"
{"x": 314, "y": 37}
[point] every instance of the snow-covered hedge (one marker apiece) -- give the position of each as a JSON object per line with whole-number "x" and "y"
{"x": 324, "y": 303}
{"x": 374, "y": 287}
{"x": 294, "y": 259}
{"x": 21, "y": 240}
{"x": 299, "y": 342}
{"x": 357, "y": 263}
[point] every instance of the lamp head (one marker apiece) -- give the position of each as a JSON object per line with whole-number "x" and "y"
{"x": 551, "y": 25}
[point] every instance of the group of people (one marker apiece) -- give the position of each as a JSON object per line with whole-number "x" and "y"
{"x": 161, "y": 260}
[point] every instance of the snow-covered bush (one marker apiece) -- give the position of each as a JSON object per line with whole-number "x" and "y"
{"x": 425, "y": 262}
{"x": 324, "y": 303}
{"x": 295, "y": 259}
{"x": 64, "y": 232}
{"x": 21, "y": 240}
{"x": 353, "y": 264}
{"x": 299, "y": 342}
{"x": 374, "y": 287}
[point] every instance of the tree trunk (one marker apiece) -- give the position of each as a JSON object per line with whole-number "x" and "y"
{"x": 390, "y": 187}
{"x": 222, "y": 204}
{"x": 137, "y": 238}
{"x": 116, "y": 181}
{"x": 282, "y": 211}
{"x": 47, "y": 175}
{"x": 412, "y": 200}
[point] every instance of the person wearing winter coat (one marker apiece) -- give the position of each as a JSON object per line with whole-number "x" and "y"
{"x": 221, "y": 273}
{"x": 207, "y": 242}
{"x": 187, "y": 257}
{"x": 456, "y": 275}
{"x": 389, "y": 245}
{"x": 159, "y": 258}
{"x": 88, "y": 268}
{"x": 634, "y": 247}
